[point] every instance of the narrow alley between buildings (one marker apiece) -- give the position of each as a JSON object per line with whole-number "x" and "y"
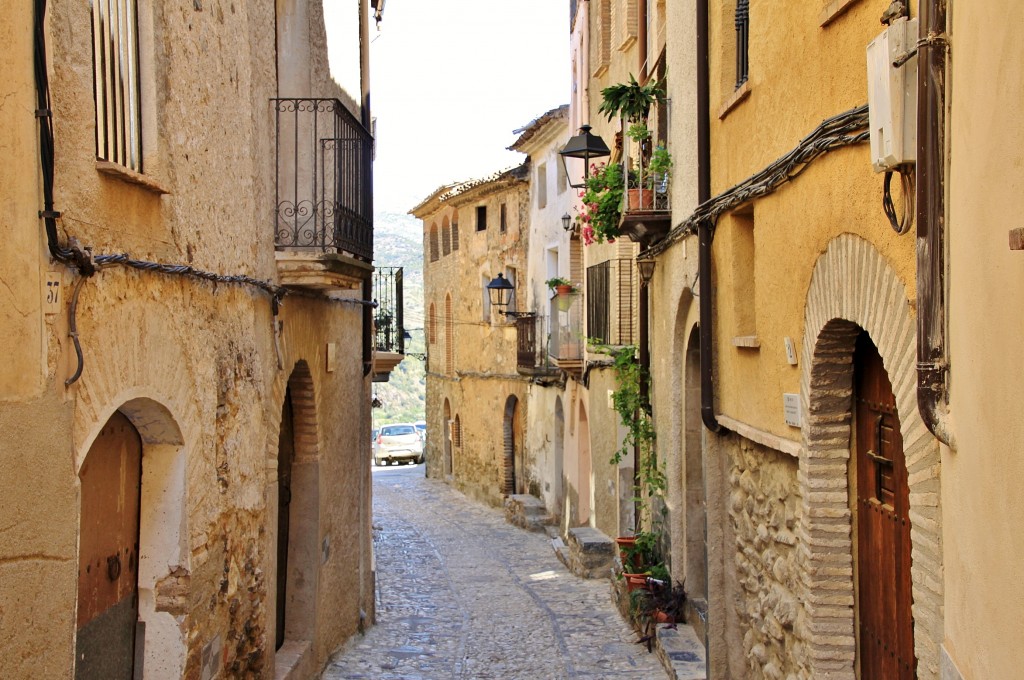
{"x": 462, "y": 594}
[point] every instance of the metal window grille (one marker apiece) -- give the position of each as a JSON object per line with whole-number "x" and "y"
{"x": 742, "y": 40}
{"x": 115, "y": 56}
{"x": 610, "y": 308}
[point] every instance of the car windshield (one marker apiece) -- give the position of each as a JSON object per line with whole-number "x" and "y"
{"x": 421, "y": 427}
{"x": 397, "y": 429}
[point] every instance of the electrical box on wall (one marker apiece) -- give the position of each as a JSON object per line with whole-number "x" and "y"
{"x": 892, "y": 95}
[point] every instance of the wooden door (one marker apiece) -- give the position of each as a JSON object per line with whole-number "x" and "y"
{"x": 108, "y": 554}
{"x": 285, "y": 456}
{"x": 886, "y": 650}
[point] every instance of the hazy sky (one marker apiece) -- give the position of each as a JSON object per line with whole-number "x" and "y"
{"x": 450, "y": 81}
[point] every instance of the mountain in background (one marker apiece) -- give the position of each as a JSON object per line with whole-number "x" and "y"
{"x": 398, "y": 242}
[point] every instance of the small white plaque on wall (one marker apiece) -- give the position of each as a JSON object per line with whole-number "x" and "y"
{"x": 332, "y": 353}
{"x": 791, "y": 407}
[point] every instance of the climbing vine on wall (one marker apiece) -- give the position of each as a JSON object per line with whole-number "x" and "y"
{"x": 635, "y": 415}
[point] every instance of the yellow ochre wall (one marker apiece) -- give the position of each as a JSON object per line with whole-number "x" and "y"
{"x": 800, "y": 74}
{"x": 982, "y": 503}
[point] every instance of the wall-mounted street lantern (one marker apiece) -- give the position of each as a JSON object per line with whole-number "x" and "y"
{"x": 646, "y": 269}
{"x": 586, "y": 146}
{"x": 567, "y": 222}
{"x": 500, "y": 291}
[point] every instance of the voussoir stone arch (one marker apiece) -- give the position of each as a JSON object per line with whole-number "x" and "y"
{"x": 853, "y": 287}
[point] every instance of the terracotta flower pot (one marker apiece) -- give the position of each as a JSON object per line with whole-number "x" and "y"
{"x": 563, "y": 290}
{"x": 641, "y": 199}
{"x": 635, "y": 582}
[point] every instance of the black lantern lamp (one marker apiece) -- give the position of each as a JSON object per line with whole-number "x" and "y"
{"x": 567, "y": 222}
{"x": 500, "y": 291}
{"x": 586, "y": 146}
{"x": 646, "y": 269}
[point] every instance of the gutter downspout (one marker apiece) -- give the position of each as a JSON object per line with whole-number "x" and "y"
{"x": 705, "y": 230}
{"x": 932, "y": 362}
{"x": 641, "y": 38}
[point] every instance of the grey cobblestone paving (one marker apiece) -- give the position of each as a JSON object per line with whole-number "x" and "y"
{"x": 462, "y": 594}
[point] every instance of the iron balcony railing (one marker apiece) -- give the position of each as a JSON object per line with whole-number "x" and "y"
{"x": 531, "y": 345}
{"x": 389, "y": 317}
{"x": 611, "y": 312}
{"x": 324, "y": 192}
{"x": 646, "y": 189}
{"x": 565, "y": 342}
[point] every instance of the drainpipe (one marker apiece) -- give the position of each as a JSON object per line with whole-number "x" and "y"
{"x": 932, "y": 363}
{"x": 645, "y": 371}
{"x": 705, "y": 232}
{"x": 364, "y": 64}
{"x": 641, "y": 39}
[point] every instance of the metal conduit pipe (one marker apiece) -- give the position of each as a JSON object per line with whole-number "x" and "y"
{"x": 932, "y": 363}
{"x": 705, "y": 230}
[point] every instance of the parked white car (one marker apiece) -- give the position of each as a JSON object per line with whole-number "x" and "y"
{"x": 397, "y": 443}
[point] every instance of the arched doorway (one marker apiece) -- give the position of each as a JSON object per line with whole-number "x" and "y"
{"x": 884, "y": 599}
{"x": 694, "y": 490}
{"x": 285, "y": 457}
{"x": 514, "y": 464}
{"x": 583, "y": 437}
{"x": 559, "y": 444}
{"x": 298, "y": 512}
{"x": 446, "y": 436}
{"x": 108, "y": 555}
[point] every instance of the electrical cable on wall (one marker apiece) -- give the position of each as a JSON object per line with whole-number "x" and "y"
{"x": 844, "y": 129}
{"x": 900, "y": 225}
{"x": 81, "y": 258}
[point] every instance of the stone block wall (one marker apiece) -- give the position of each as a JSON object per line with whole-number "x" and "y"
{"x": 764, "y": 508}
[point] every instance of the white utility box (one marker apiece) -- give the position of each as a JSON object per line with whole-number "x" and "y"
{"x": 892, "y": 96}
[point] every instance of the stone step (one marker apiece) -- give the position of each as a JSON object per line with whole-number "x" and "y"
{"x": 527, "y": 512}
{"x": 590, "y": 553}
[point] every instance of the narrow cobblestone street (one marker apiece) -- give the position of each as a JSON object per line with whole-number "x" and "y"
{"x": 462, "y": 594}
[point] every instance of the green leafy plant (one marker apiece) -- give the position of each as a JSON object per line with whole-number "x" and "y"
{"x": 638, "y": 132}
{"x": 556, "y": 281}
{"x": 660, "y": 167}
{"x": 602, "y": 204}
{"x": 631, "y": 100}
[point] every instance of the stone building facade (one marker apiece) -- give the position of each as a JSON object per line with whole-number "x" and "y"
{"x": 798, "y": 295}
{"x": 185, "y": 407}
{"x": 476, "y": 401}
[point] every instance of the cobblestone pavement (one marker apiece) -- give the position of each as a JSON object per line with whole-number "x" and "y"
{"x": 462, "y": 594}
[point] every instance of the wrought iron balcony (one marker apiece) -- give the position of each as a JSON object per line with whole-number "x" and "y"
{"x": 388, "y": 321}
{"x": 611, "y": 312}
{"x": 389, "y": 318}
{"x": 565, "y": 342}
{"x": 531, "y": 346}
{"x": 324, "y": 192}
{"x": 646, "y": 203}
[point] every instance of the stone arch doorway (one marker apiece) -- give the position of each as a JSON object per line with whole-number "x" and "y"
{"x": 694, "y": 487}
{"x": 882, "y": 524}
{"x": 514, "y": 464}
{"x": 298, "y": 503}
{"x": 108, "y": 557}
{"x": 446, "y": 437}
{"x": 585, "y": 506}
{"x": 558, "y": 492}
{"x": 132, "y": 519}
{"x": 853, "y": 289}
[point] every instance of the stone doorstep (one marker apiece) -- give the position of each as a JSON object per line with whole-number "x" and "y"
{"x": 678, "y": 647}
{"x": 527, "y": 512}
{"x": 590, "y": 553}
{"x": 293, "y": 661}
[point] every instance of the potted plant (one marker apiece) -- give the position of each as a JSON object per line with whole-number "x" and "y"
{"x": 602, "y": 204}
{"x": 660, "y": 168}
{"x": 560, "y": 285}
{"x": 631, "y": 100}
